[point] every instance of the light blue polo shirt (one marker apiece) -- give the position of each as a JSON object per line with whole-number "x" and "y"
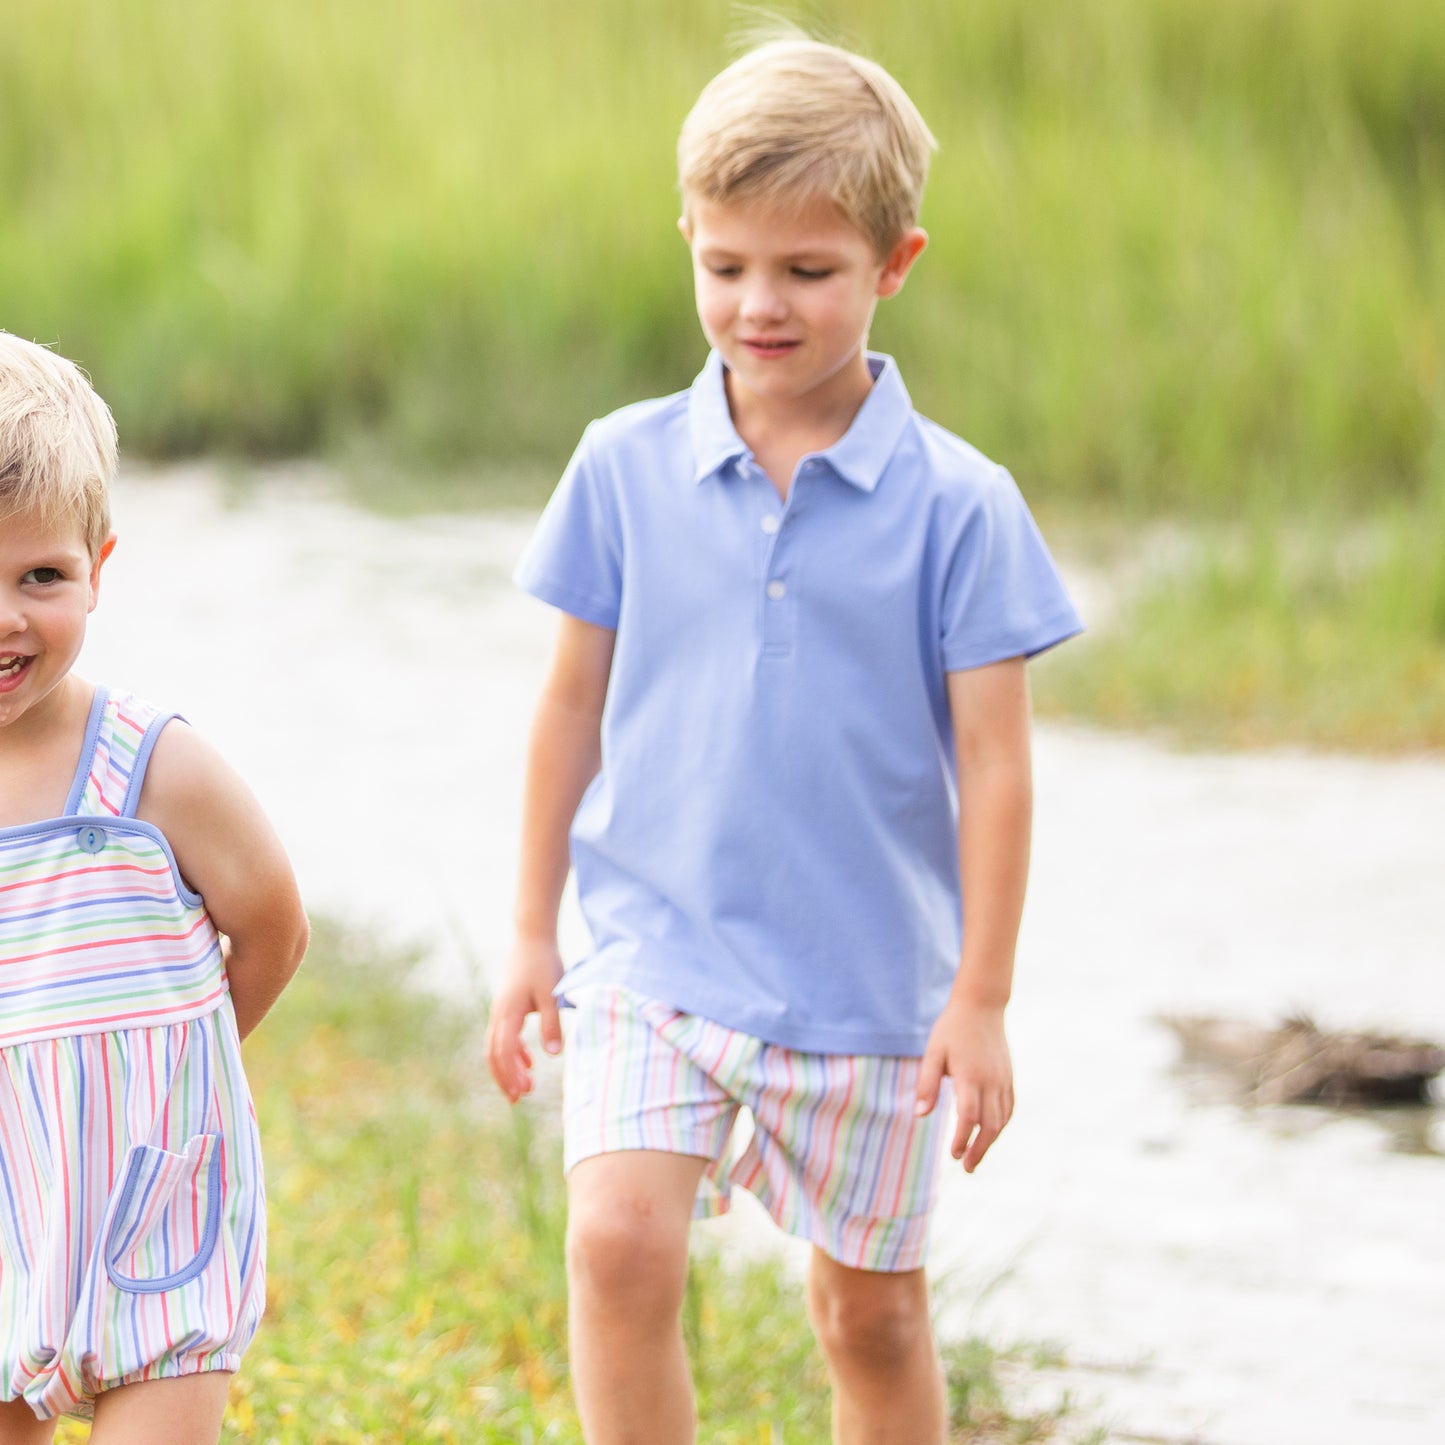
{"x": 772, "y": 839}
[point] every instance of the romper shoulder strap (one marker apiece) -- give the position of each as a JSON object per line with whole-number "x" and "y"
{"x": 119, "y": 743}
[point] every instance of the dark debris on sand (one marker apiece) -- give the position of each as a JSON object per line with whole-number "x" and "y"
{"x": 1296, "y": 1062}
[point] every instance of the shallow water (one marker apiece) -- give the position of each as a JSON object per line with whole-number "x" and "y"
{"x": 1274, "y": 1277}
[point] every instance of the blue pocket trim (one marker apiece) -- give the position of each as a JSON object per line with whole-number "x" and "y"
{"x": 203, "y": 1254}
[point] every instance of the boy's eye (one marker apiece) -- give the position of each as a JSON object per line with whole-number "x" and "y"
{"x": 725, "y": 271}
{"x": 810, "y": 273}
{"x": 44, "y": 575}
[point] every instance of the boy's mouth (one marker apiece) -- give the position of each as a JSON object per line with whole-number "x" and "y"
{"x": 769, "y": 345}
{"x": 12, "y": 665}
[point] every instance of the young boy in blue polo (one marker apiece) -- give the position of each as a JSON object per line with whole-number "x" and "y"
{"x": 787, "y": 728}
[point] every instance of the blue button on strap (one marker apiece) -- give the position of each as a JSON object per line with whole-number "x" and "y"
{"x": 91, "y": 838}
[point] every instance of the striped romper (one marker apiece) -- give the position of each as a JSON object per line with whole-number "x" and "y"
{"x": 132, "y": 1210}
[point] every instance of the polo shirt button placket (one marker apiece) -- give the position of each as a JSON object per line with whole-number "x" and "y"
{"x": 777, "y": 603}
{"x": 777, "y": 616}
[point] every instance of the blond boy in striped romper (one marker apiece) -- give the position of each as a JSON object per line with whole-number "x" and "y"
{"x": 787, "y": 727}
{"x": 148, "y": 919}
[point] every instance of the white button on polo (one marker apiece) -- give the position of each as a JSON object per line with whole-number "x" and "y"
{"x": 770, "y": 523}
{"x": 777, "y": 590}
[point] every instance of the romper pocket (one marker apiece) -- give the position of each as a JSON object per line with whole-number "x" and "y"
{"x": 166, "y": 1216}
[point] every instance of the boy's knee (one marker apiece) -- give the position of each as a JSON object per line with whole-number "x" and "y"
{"x": 617, "y": 1249}
{"x": 876, "y": 1322}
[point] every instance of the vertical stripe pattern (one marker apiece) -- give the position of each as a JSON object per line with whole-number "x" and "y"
{"x": 836, "y": 1154}
{"x": 132, "y": 1210}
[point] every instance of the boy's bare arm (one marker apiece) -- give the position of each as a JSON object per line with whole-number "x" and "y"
{"x": 990, "y": 707}
{"x": 229, "y": 853}
{"x": 563, "y": 756}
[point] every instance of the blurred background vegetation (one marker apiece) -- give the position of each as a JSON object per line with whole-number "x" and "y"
{"x": 1186, "y": 266}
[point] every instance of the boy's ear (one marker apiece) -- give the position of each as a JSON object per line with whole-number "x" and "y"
{"x": 685, "y": 226}
{"x": 899, "y": 261}
{"x": 106, "y": 548}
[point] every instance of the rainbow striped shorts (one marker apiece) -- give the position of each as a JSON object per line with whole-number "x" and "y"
{"x": 836, "y": 1154}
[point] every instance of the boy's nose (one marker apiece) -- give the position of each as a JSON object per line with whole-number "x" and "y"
{"x": 12, "y": 618}
{"x": 764, "y": 302}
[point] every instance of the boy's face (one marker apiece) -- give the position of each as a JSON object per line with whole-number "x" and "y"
{"x": 48, "y": 587}
{"x": 786, "y": 298}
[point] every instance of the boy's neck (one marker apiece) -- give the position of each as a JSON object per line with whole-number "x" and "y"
{"x": 39, "y": 753}
{"x": 779, "y": 432}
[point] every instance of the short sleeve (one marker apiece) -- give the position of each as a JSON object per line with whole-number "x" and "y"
{"x": 1002, "y": 595}
{"x": 574, "y": 558}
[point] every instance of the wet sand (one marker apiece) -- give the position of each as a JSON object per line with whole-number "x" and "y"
{"x": 1274, "y": 1277}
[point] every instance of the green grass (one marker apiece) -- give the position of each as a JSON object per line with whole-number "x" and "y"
{"x": 1327, "y": 631}
{"x": 1182, "y": 249}
{"x": 416, "y": 1284}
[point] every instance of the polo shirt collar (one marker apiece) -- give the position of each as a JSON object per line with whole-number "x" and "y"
{"x": 715, "y": 440}
{"x": 859, "y": 456}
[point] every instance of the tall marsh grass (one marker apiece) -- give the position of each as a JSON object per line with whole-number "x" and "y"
{"x": 1327, "y": 630}
{"x": 1183, "y": 250}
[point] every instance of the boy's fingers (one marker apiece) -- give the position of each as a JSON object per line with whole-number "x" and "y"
{"x": 960, "y": 1141}
{"x": 993, "y": 1116}
{"x": 507, "y": 1056}
{"x": 978, "y": 1147}
{"x": 551, "y": 1024}
{"x": 514, "y": 1077}
{"x": 503, "y": 1071}
{"x": 973, "y": 1155}
{"x": 967, "y": 1103}
{"x": 930, "y": 1076}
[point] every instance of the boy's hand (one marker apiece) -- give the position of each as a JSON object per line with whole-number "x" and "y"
{"x": 536, "y": 966}
{"x": 968, "y": 1044}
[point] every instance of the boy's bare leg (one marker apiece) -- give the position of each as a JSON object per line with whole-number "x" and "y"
{"x": 184, "y": 1410}
{"x": 18, "y": 1425}
{"x": 877, "y": 1339}
{"x": 627, "y": 1223}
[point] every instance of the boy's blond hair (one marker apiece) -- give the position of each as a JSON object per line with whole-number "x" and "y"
{"x": 796, "y": 118}
{"x": 57, "y": 440}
